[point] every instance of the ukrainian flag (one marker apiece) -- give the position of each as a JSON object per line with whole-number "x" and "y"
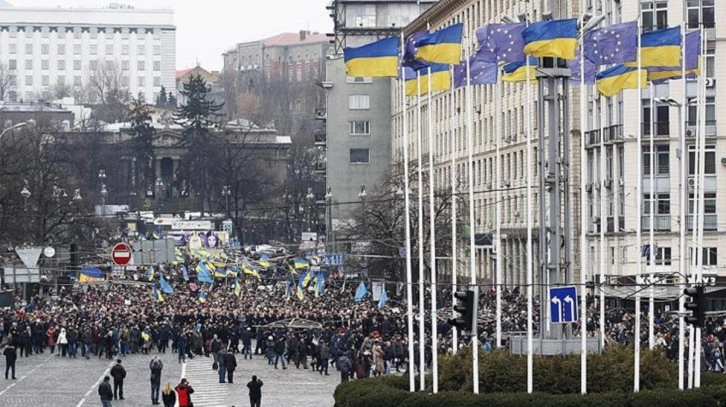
{"x": 307, "y": 279}
{"x": 442, "y": 46}
{"x": 551, "y": 38}
{"x": 517, "y": 72}
{"x": 301, "y": 263}
{"x": 202, "y": 298}
{"x": 150, "y": 273}
{"x": 613, "y": 80}
{"x": 264, "y": 261}
{"x": 91, "y": 275}
{"x": 376, "y": 59}
{"x": 237, "y": 288}
{"x": 660, "y": 48}
{"x": 156, "y": 294}
{"x": 251, "y": 272}
{"x": 439, "y": 78}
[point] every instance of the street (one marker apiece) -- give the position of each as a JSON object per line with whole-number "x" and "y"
{"x": 44, "y": 380}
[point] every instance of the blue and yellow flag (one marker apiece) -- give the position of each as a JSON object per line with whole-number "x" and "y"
{"x": 692, "y": 45}
{"x": 185, "y": 272}
{"x": 300, "y": 293}
{"x": 149, "y": 273}
{"x": 442, "y": 46}
{"x": 91, "y": 275}
{"x": 376, "y": 59}
{"x": 319, "y": 284}
{"x": 156, "y": 294}
{"x": 202, "y": 297}
{"x": 203, "y": 274}
{"x": 517, "y": 72}
{"x": 551, "y": 38}
{"x": 264, "y": 261}
{"x": 165, "y": 286}
{"x": 613, "y": 80}
{"x": 237, "y": 288}
{"x": 660, "y": 48}
{"x": 301, "y": 263}
{"x": 308, "y": 278}
{"x": 438, "y": 76}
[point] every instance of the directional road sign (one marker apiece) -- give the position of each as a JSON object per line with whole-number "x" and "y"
{"x": 121, "y": 254}
{"x": 563, "y": 305}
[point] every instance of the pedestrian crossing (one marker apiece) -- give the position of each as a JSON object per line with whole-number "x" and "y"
{"x": 208, "y": 391}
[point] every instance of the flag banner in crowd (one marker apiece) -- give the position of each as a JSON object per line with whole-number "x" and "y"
{"x": 590, "y": 70}
{"x": 301, "y": 263}
{"x": 440, "y": 78}
{"x": 383, "y": 300}
{"x": 237, "y": 288}
{"x": 660, "y": 48}
{"x": 202, "y": 297}
{"x": 264, "y": 261}
{"x": 517, "y": 72}
{"x": 501, "y": 42}
{"x": 149, "y": 273}
{"x": 551, "y": 38}
{"x": 91, "y": 275}
{"x": 361, "y": 292}
{"x": 377, "y": 59}
{"x": 615, "y": 44}
{"x": 692, "y": 44}
{"x": 307, "y": 279}
{"x": 219, "y": 273}
{"x": 185, "y": 272}
{"x": 165, "y": 287}
{"x": 441, "y": 46}
{"x": 300, "y": 293}
{"x": 409, "y": 52}
{"x": 301, "y": 285}
{"x": 288, "y": 289}
{"x": 612, "y": 81}
{"x": 203, "y": 274}
{"x": 319, "y": 284}
{"x": 156, "y": 294}
{"x": 480, "y": 72}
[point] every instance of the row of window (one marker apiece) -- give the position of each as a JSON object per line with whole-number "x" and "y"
{"x": 77, "y": 33}
{"x": 663, "y": 256}
{"x": 78, "y": 81}
{"x": 77, "y": 48}
{"x": 662, "y": 160}
{"x": 77, "y": 65}
{"x": 655, "y": 14}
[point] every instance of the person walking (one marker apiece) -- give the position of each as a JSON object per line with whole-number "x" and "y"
{"x": 324, "y": 357}
{"x": 156, "y": 366}
{"x": 118, "y": 372}
{"x": 222, "y": 362}
{"x": 11, "y": 355}
{"x": 105, "y": 392}
{"x": 184, "y": 391}
{"x": 255, "y": 387}
{"x": 168, "y": 395}
{"x": 344, "y": 366}
{"x": 230, "y": 362}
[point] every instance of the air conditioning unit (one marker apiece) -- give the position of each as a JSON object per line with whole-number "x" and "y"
{"x": 691, "y": 183}
{"x": 622, "y": 182}
{"x": 588, "y": 187}
{"x": 607, "y": 183}
{"x": 710, "y": 83}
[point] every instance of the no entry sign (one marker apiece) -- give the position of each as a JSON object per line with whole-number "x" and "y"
{"x": 121, "y": 254}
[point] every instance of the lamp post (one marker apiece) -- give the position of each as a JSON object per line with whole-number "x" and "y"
{"x": 13, "y": 127}
{"x": 310, "y": 197}
{"x": 26, "y": 194}
{"x": 104, "y": 192}
{"x": 362, "y": 195}
{"x": 329, "y": 223}
{"x": 226, "y": 193}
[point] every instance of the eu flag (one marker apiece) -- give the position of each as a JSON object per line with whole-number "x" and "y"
{"x": 377, "y": 59}
{"x": 551, "y": 38}
{"x": 442, "y": 46}
{"x": 501, "y": 42}
{"x": 615, "y": 44}
{"x": 575, "y": 70}
{"x": 480, "y": 72}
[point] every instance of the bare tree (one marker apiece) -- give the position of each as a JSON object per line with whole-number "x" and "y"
{"x": 7, "y": 82}
{"x": 107, "y": 89}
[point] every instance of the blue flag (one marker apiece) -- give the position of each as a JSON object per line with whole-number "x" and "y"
{"x": 165, "y": 286}
{"x": 501, "y": 42}
{"x": 362, "y": 291}
{"x": 383, "y": 300}
{"x": 590, "y": 70}
{"x": 615, "y": 44}
{"x": 481, "y": 72}
{"x": 185, "y": 272}
{"x": 203, "y": 274}
{"x": 409, "y": 52}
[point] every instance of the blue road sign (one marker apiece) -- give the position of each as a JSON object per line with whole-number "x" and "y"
{"x": 333, "y": 259}
{"x": 563, "y": 305}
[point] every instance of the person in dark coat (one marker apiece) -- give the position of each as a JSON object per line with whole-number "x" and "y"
{"x": 118, "y": 372}
{"x": 105, "y": 392}
{"x": 255, "y": 387}
{"x": 324, "y": 357}
{"x": 156, "y": 366}
{"x": 344, "y": 366}
{"x": 11, "y": 355}
{"x": 230, "y": 362}
{"x": 222, "y": 359}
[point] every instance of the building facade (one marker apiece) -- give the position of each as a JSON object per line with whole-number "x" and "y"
{"x": 43, "y": 49}
{"x": 357, "y": 117}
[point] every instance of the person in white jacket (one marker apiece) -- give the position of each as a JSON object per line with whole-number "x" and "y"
{"x": 63, "y": 342}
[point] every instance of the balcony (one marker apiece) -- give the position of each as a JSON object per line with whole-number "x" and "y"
{"x": 710, "y": 127}
{"x": 661, "y": 223}
{"x": 662, "y": 129}
{"x": 320, "y": 167}
{"x": 611, "y": 133}
{"x": 321, "y": 137}
{"x": 592, "y": 137}
{"x": 710, "y": 221}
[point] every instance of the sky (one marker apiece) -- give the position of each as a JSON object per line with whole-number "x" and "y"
{"x": 205, "y": 29}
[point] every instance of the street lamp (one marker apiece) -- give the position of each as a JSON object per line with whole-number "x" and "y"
{"x": 311, "y": 197}
{"x": 13, "y": 127}
{"x": 159, "y": 187}
{"x": 104, "y": 194}
{"x": 226, "y": 193}
{"x": 329, "y": 225}
{"x": 77, "y": 196}
{"x": 26, "y": 194}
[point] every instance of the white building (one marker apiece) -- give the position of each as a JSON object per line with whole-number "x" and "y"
{"x": 41, "y": 48}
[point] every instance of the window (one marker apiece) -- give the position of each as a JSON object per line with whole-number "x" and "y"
{"x": 709, "y": 164}
{"x": 77, "y": 34}
{"x": 359, "y": 102}
{"x": 140, "y": 50}
{"x": 29, "y": 80}
{"x": 76, "y": 65}
{"x": 13, "y": 80}
{"x": 662, "y": 204}
{"x": 124, "y": 80}
{"x": 710, "y": 113}
{"x": 357, "y": 79}
{"x": 93, "y": 49}
{"x": 76, "y": 49}
{"x": 13, "y": 48}
{"x": 124, "y": 49}
{"x": 61, "y": 49}
{"x": 710, "y": 256}
{"x": 45, "y": 80}
{"x": 93, "y": 65}
{"x": 360, "y": 156}
{"x": 662, "y": 256}
{"x": 44, "y": 49}
{"x": 141, "y": 65}
{"x": 61, "y": 65}
{"x": 157, "y": 66}
{"x": 710, "y": 62}
{"x": 662, "y": 165}
{"x": 12, "y": 64}
{"x": 157, "y": 49}
{"x": 61, "y": 34}
{"x": 110, "y": 65}
{"x": 157, "y": 81}
{"x": 45, "y": 64}
{"x": 709, "y": 204}
{"x": 124, "y": 65}
{"x": 661, "y": 119}
{"x": 61, "y": 80}
{"x": 76, "y": 81}
{"x": 28, "y": 64}
{"x": 655, "y": 14}
{"x": 109, "y": 49}
{"x": 141, "y": 81}
{"x": 701, "y": 11}
{"x": 360, "y": 128}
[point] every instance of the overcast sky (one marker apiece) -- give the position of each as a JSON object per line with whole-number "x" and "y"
{"x": 207, "y": 28}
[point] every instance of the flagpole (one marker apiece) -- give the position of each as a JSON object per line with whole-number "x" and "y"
{"x": 452, "y": 124}
{"x": 651, "y": 229}
{"x": 498, "y": 210}
{"x": 701, "y": 195}
{"x": 584, "y": 260}
{"x": 407, "y": 228}
{"x": 472, "y": 249}
{"x": 638, "y": 211}
{"x": 530, "y": 255}
{"x": 419, "y": 244}
{"x": 682, "y": 213}
{"x": 432, "y": 241}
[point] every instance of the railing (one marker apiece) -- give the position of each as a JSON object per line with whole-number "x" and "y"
{"x": 662, "y": 129}
{"x": 661, "y": 223}
{"x": 692, "y": 126}
{"x": 710, "y": 221}
{"x": 592, "y": 137}
{"x": 610, "y": 134}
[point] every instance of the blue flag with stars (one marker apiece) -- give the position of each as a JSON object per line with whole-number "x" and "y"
{"x": 501, "y": 42}
{"x": 615, "y": 44}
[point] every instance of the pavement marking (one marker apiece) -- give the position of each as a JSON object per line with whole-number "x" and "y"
{"x": 100, "y": 379}
{"x": 27, "y": 374}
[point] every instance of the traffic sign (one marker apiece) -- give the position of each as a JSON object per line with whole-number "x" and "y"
{"x": 121, "y": 254}
{"x": 563, "y": 305}
{"x": 333, "y": 259}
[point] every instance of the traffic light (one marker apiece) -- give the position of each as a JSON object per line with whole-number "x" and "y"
{"x": 466, "y": 307}
{"x": 697, "y": 305}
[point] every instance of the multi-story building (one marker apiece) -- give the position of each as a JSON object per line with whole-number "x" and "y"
{"x": 357, "y": 118}
{"x": 42, "y": 49}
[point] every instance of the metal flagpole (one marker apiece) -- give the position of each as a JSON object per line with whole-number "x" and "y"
{"x": 638, "y": 212}
{"x": 407, "y": 226}
{"x": 530, "y": 255}
{"x": 420, "y": 245}
{"x": 651, "y": 229}
{"x": 472, "y": 249}
{"x": 701, "y": 197}
{"x": 432, "y": 242}
{"x": 694, "y": 235}
{"x": 454, "y": 333}
{"x": 604, "y": 200}
{"x": 682, "y": 213}
{"x": 584, "y": 261}
{"x": 498, "y": 210}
